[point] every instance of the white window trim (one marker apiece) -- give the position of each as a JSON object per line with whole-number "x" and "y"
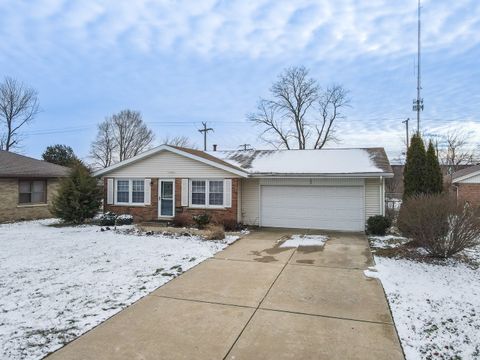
{"x": 207, "y": 195}
{"x": 130, "y": 188}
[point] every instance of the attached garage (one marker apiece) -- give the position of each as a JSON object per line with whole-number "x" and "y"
{"x": 313, "y": 207}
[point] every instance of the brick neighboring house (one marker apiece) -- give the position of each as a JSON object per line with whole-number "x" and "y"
{"x": 335, "y": 189}
{"x": 466, "y": 185}
{"x": 27, "y": 186}
{"x": 394, "y": 185}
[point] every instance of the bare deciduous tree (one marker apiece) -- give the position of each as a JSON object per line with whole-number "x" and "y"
{"x": 103, "y": 147}
{"x": 120, "y": 137}
{"x": 18, "y": 107}
{"x": 131, "y": 134}
{"x": 181, "y": 140}
{"x": 331, "y": 103}
{"x": 300, "y": 114}
{"x": 456, "y": 151}
{"x": 272, "y": 124}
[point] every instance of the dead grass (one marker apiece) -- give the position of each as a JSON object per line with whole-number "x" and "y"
{"x": 214, "y": 232}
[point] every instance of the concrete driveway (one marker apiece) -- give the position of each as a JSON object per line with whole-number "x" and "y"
{"x": 255, "y": 300}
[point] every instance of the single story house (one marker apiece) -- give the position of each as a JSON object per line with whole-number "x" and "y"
{"x": 27, "y": 186}
{"x": 466, "y": 184}
{"x": 332, "y": 189}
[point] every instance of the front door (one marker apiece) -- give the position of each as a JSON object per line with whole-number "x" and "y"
{"x": 166, "y": 198}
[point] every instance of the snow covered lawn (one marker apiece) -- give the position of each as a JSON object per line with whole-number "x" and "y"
{"x": 436, "y": 305}
{"x": 58, "y": 282}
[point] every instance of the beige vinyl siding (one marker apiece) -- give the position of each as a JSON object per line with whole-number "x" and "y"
{"x": 472, "y": 180}
{"x": 169, "y": 165}
{"x": 250, "y": 199}
{"x": 373, "y": 197}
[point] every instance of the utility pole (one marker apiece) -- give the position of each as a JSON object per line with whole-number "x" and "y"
{"x": 245, "y": 147}
{"x": 406, "y": 131}
{"x": 418, "y": 103}
{"x": 205, "y": 130}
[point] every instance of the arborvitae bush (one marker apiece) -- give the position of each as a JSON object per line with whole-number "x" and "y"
{"x": 414, "y": 173}
{"x": 433, "y": 173}
{"x": 78, "y": 197}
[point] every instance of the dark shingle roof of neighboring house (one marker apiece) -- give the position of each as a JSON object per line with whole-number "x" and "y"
{"x": 18, "y": 166}
{"x": 464, "y": 172}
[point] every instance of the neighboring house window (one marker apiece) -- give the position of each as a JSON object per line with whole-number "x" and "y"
{"x": 32, "y": 192}
{"x": 207, "y": 193}
{"x": 130, "y": 191}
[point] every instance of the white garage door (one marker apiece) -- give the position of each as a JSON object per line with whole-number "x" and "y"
{"x": 313, "y": 207}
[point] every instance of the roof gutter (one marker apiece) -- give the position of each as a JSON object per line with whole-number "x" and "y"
{"x": 319, "y": 175}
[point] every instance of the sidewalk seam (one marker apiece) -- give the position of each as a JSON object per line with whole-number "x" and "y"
{"x": 258, "y": 306}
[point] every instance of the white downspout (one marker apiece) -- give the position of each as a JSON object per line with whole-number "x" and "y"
{"x": 382, "y": 200}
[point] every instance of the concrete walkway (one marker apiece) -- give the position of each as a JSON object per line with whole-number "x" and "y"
{"x": 255, "y": 300}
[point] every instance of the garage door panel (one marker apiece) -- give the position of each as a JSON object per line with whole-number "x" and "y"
{"x": 318, "y": 207}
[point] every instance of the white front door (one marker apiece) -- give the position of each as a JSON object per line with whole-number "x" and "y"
{"x": 313, "y": 207}
{"x": 166, "y": 198}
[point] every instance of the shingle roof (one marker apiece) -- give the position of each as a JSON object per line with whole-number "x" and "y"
{"x": 304, "y": 162}
{"x": 19, "y": 166}
{"x": 467, "y": 171}
{"x": 328, "y": 162}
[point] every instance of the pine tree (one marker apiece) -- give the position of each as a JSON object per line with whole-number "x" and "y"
{"x": 414, "y": 172}
{"x": 433, "y": 176}
{"x": 78, "y": 197}
{"x": 60, "y": 155}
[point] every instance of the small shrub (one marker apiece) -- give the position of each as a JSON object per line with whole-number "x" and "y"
{"x": 202, "y": 220}
{"x": 107, "y": 219}
{"x": 378, "y": 225}
{"x": 111, "y": 219}
{"x": 124, "y": 219}
{"x": 231, "y": 225}
{"x": 214, "y": 232}
{"x": 182, "y": 219}
{"x": 438, "y": 224}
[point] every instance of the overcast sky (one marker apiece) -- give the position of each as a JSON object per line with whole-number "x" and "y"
{"x": 184, "y": 62}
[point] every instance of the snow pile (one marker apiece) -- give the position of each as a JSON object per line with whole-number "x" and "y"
{"x": 305, "y": 240}
{"x": 58, "y": 282}
{"x": 436, "y": 307}
{"x": 387, "y": 241}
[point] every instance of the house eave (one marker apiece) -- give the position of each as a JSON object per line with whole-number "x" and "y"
{"x": 465, "y": 177}
{"x": 321, "y": 175}
{"x": 158, "y": 149}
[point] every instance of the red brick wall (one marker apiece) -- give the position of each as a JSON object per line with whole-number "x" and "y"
{"x": 470, "y": 193}
{"x": 150, "y": 212}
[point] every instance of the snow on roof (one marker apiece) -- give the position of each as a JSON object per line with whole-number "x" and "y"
{"x": 325, "y": 161}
